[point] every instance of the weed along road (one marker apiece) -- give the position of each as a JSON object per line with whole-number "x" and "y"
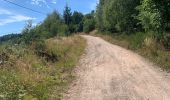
{"x": 109, "y": 72}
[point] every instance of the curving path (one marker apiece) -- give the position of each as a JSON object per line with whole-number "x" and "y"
{"x": 109, "y": 72}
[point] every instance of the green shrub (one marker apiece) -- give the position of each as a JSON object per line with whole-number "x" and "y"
{"x": 10, "y": 86}
{"x": 89, "y": 25}
{"x": 166, "y": 41}
{"x": 137, "y": 40}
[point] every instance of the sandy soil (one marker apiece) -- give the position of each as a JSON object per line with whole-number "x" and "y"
{"x": 109, "y": 72}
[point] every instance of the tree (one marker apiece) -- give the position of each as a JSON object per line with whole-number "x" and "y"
{"x": 53, "y": 25}
{"x": 99, "y": 16}
{"x": 89, "y": 22}
{"x": 154, "y": 15}
{"x": 15, "y": 38}
{"x": 77, "y": 17}
{"x": 117, "y": 15}
{"x": 67, "y": 15}
{"x": 150, "y": 16}
{"x": 28, "y": 34}
{"x": 77, "y": 21}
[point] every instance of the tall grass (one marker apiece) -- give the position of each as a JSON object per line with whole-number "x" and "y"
{"x": 27, "y": 75}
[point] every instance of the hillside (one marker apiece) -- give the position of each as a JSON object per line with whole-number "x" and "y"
{"x": 30, "y": 74}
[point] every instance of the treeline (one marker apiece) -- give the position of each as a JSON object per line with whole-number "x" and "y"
{"x": 152, "y": 17}
{"x": 55, "y": 24}
{"x": 9, "y": 37}
{"x": 37, "y": 63}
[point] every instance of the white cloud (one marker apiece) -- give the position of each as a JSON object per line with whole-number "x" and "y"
{"x": 54, "y": 1}
{"x": 4, "y": 12}
{"x": 38, "y": 2}
{"x": 12, "y": 17}
{"x": 43, "y": 2}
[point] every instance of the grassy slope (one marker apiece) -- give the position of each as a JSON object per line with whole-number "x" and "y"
{"x": 28, "y": 76}
{"x": 137, "y": 43}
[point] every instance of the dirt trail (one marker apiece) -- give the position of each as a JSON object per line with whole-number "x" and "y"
{"x": 109, "y": 72}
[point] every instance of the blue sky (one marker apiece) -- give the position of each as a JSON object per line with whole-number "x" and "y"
{"x": 13, "y": 18}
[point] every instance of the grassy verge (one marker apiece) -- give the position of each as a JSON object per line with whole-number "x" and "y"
{"x": 143, "y": 45}
{"x": 29, "y": 74}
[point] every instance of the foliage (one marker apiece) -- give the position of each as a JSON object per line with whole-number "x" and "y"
{"x": 73, "y": 21}
{"x": 67, "y": 15}
{"x": 52, "y": 26}
{"x": 131, "y": 16}
{"x": 89, "y": 22}
{"x": 26, "y": 75}
{"x": 10, "y": 37}
{"x": 150, "y": 16}
{"x": 77, "y": 17}
{"x": 77, "y": 21}
{"x": 166, "y": 41}
{"x": 10, "y": 86}
{"x": 88, "y": 25}
{"x": 117, "y": 15}
{"x": 154, "y": 16}
{"x": 99, "y": 16}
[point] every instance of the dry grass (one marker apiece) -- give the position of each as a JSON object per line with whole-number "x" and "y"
{"x": 30, "y": 76}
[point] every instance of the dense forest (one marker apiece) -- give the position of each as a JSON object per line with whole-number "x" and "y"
{"x": 152, "y": 17}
